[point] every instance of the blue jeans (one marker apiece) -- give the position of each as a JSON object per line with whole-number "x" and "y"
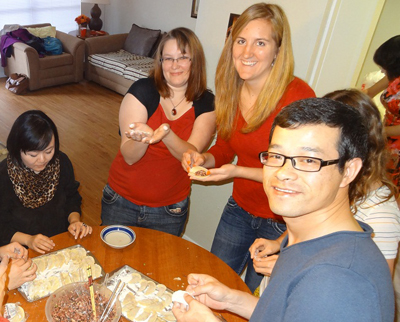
{"x": 116, "y": 210}
{"x": 236, "y": 232}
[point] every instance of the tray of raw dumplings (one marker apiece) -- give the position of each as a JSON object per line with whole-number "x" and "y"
{"x": 142, "y": 299}
{"x": 56, "y": 269}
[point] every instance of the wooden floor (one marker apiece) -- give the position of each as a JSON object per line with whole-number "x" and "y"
{"x": 86, "y": 116}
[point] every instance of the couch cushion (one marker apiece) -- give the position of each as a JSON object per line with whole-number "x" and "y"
{"x": 123, "y": 63}
{"x": 55, "y": 61}
{"x": 140, "y": 41}
{"x": 43, "y": 32}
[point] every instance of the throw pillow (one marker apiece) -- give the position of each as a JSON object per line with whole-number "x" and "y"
{"x": 141, "y": 40}
{"x": 43, "y": 32}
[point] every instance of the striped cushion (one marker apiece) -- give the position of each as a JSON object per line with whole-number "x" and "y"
{"x": 123, "y": 63}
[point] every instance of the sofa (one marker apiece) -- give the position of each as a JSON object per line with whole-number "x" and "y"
{"x": 50, "y": 70}
{"x": 117, "y": 61}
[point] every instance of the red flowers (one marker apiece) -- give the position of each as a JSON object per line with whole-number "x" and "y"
{"x": 82, "y": 19}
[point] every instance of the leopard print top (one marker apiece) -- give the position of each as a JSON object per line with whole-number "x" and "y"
{"x": 34, "y": 189}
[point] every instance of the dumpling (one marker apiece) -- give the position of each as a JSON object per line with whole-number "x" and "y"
{"x": 161, "y": 288}
{"x": 150, "y": 288}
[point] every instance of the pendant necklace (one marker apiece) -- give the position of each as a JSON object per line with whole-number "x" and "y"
{"x": 173, "y": 111}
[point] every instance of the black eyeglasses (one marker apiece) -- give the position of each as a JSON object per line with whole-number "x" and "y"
{"x": 181, "y": 61}
{"x": 301, "y": 163}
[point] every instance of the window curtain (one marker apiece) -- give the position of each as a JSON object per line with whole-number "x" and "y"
{"x": 60, "y": 13}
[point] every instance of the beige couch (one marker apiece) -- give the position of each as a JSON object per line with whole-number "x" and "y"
{"x": 117, "y": 61}
{"x": 49, "y": 70}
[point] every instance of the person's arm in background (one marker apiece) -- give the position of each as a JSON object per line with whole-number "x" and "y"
{"x": 392, "y": 131}
{"x": 262, "y": 253}
{"x": 377, "y": 87}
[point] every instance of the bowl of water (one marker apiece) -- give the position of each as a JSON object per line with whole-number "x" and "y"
{"x": 118, "y": 236}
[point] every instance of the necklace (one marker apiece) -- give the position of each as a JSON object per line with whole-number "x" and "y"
{"x": 173, "y": 111}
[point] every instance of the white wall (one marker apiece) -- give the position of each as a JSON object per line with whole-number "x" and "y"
{"x": 388, "y": 26}
{"x": 327, "y": 35}
{"x": 119, "y": 16}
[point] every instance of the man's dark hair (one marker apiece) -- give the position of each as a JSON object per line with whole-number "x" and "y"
{"x": 31, "y": 131}
{"x": 353, "y": 140}
{"x": 388, "y": 57}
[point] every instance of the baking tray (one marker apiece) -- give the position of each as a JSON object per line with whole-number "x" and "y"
{"x": 143, "y": 297}
{"x": 50, "y": 274}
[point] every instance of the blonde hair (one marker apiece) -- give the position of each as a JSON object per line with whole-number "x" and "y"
{"x": 228, "y": 83}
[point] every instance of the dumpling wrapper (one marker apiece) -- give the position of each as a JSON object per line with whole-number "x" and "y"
{"x": 200, "y": 172}
{"x": 96, "y": 271}
{"x": 150, "y": 288}
{"x": 135, "y": 278}
{"x": 129, "y": 298}
{"x": 161, "y": 288}
{"x": 143, "y": 316}
{"x": 167, "y": 299}
{"x": 89, "y": 260}
{"x": 54, "y": 283}
{"x": 179, "y": 295}
{"x": 131, "y": 314}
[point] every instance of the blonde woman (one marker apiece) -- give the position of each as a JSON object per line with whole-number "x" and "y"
{"x": 254, "y": 81}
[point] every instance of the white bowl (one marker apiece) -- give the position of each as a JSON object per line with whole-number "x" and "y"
{"x": 117, "y": 236}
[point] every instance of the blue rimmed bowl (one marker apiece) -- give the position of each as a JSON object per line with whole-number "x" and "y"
{"x": 117, "y": 236}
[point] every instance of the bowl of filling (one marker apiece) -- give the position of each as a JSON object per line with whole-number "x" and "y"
{"x": 72, "y": 302}
{"x": 118, "y": 236}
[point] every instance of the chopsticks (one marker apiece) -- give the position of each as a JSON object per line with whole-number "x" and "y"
{"x": 90, "y": 282}
{"x": 111, "y": 301}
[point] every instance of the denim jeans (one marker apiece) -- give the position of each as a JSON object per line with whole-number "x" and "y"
{"x": 236, "y": 232}
{"x": 116, "y": 210}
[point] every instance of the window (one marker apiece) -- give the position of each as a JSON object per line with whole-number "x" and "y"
{"x": 60, "y": 13}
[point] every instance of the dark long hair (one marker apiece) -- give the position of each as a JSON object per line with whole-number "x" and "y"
{"x": 388, "y": 57}
{"x": 31, "y": 131}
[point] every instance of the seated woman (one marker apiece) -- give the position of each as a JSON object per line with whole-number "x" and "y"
{"x": 39, "y": 194}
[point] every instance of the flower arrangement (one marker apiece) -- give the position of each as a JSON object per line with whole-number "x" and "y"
{"x": 82, "y": 20}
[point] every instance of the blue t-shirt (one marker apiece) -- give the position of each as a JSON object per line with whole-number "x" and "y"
{"x": 340, "y": 277}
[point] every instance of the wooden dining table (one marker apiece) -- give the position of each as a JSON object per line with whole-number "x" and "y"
{"x": 165, "y": 258}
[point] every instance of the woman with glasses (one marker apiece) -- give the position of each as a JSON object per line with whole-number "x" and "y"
{"x": 254, "y": 81}
{"x": 373, "y": 203}
{"x": 160, "y": 118}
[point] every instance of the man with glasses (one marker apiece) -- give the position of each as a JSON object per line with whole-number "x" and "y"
{"x": 329, "y": 269}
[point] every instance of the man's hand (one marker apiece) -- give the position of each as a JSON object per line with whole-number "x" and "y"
{"x": 209, "y": 291}
{"x": 195, "y": 312}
